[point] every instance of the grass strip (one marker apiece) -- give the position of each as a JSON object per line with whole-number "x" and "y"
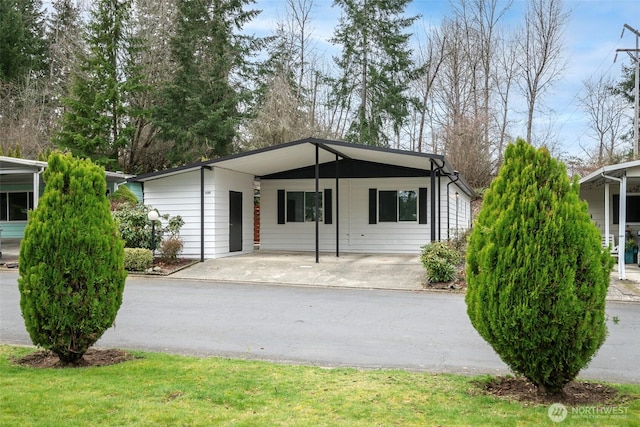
{"x": 168, "y": 390}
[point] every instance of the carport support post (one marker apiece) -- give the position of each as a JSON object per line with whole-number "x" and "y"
{"x": 622, "y": 226}
{"x": 202, "y": 214}
{"x": 622, "y": 223}
{"x": 317, "y": 204}
{"x": 432, "y": 177}
{"x": 337, "y": 208}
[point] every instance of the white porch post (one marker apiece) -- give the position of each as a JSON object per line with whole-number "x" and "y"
{"x": 623, "y": 226}
{"x": 606, "y": 216}
{"x": 36, "y": 189}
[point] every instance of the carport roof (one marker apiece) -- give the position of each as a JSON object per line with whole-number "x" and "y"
{"x": 600, "y": 176}
{"x": 14, "y": 169}
{"x": 299, "y": 154}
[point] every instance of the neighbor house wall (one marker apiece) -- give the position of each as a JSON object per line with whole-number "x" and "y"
{"x": 458, "y": 208}
{"x": 595, "y": 200}
{"x": 15, "y": 229}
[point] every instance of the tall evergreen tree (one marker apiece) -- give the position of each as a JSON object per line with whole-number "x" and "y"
{"x": 537, "y": 274}
{"x": 97, "y": 122}
{"x": 202, "y": 107}
{"x": 23, "y": 64}
{"x": 23, "y": 50}
{"x": 375, "y": 68}
{"x": 71, "y": 260}
{"x": 626, "y": 89}
{"x": 152, "y": 26}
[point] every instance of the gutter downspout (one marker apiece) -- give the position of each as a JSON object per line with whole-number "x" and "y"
{"x": 456, "y": 174}
{"x": 622, "y": 223}
{"x": 337, "y": 207}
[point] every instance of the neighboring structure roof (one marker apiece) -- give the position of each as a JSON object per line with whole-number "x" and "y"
{"x": 12, "y": 166}
{"x": 598, "y": 177}
{"x": 302, "y": 153}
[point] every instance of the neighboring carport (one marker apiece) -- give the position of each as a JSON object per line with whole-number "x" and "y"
{"x": 20, "y": 188}
{"x": 613, "y": 194}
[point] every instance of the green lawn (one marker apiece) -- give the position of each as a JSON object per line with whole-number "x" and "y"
{"x": 168, "y": 390}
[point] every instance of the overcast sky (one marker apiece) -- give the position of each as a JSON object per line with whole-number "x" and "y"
{"x": 591, "y": 39}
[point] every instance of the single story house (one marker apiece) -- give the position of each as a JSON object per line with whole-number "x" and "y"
{"x": 369, "y": 199}
{"x": 613, "y": 195}
{"x": 21, "y": 186}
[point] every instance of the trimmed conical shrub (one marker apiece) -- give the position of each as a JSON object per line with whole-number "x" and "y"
{"x": 71, "y": 260}
{"x": 537, "y": 275}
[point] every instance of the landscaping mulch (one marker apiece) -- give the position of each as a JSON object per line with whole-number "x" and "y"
{"x": 574, "y": 394}
{"x": 162, "y": 268}
{"x": 93, "y": 357}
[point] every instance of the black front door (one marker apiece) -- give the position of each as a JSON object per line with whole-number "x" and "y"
{"x": 235, "y": 221}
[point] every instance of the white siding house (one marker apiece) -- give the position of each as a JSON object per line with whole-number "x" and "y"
{"x": 371, "y": 200}
{"x": 355, "y": 231}
{"x": 613, "y": 195}
{"x": 21, "y": 185}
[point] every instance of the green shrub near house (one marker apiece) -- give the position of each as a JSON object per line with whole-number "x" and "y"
{"x": 137, "y": 259}
{"x": 441, "y": 260}
{"x": 135, "y": 227}
{"x": 123, "y": 195}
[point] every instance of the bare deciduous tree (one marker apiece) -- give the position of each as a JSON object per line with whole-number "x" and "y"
{"x": 465, "y": 147}
{"x": 153, "y": 28}
{"x": 541, "y": 62}
{"x": 607, "y": 119}
{"x": 430, "y": 58}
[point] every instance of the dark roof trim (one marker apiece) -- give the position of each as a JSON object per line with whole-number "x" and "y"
{"x": 338, "y": 148}
{"x": 323, "y": 143}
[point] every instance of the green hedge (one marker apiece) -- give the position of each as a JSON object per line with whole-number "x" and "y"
{"x": 440, "y": 259}
{"x": 137, "y": 259}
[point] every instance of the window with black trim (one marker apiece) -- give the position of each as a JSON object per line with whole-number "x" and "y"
{"x": 632, "y": 211}
{"x": 395, "y": 206}
{"x": 301, "y": 206}
{"x": 15, "y": 206}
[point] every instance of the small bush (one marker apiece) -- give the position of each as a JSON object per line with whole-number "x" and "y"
{"x": 170, "y": 249}
{"x": 121, "y": 196}
{"x": 440, "y": 260}
{"x": 135, "y": 227}
{"x": 137, "y": 259}
{"x": 459, "y": 241}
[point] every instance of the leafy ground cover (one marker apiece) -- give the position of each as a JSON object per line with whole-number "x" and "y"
{"x": 166, "y": 390}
